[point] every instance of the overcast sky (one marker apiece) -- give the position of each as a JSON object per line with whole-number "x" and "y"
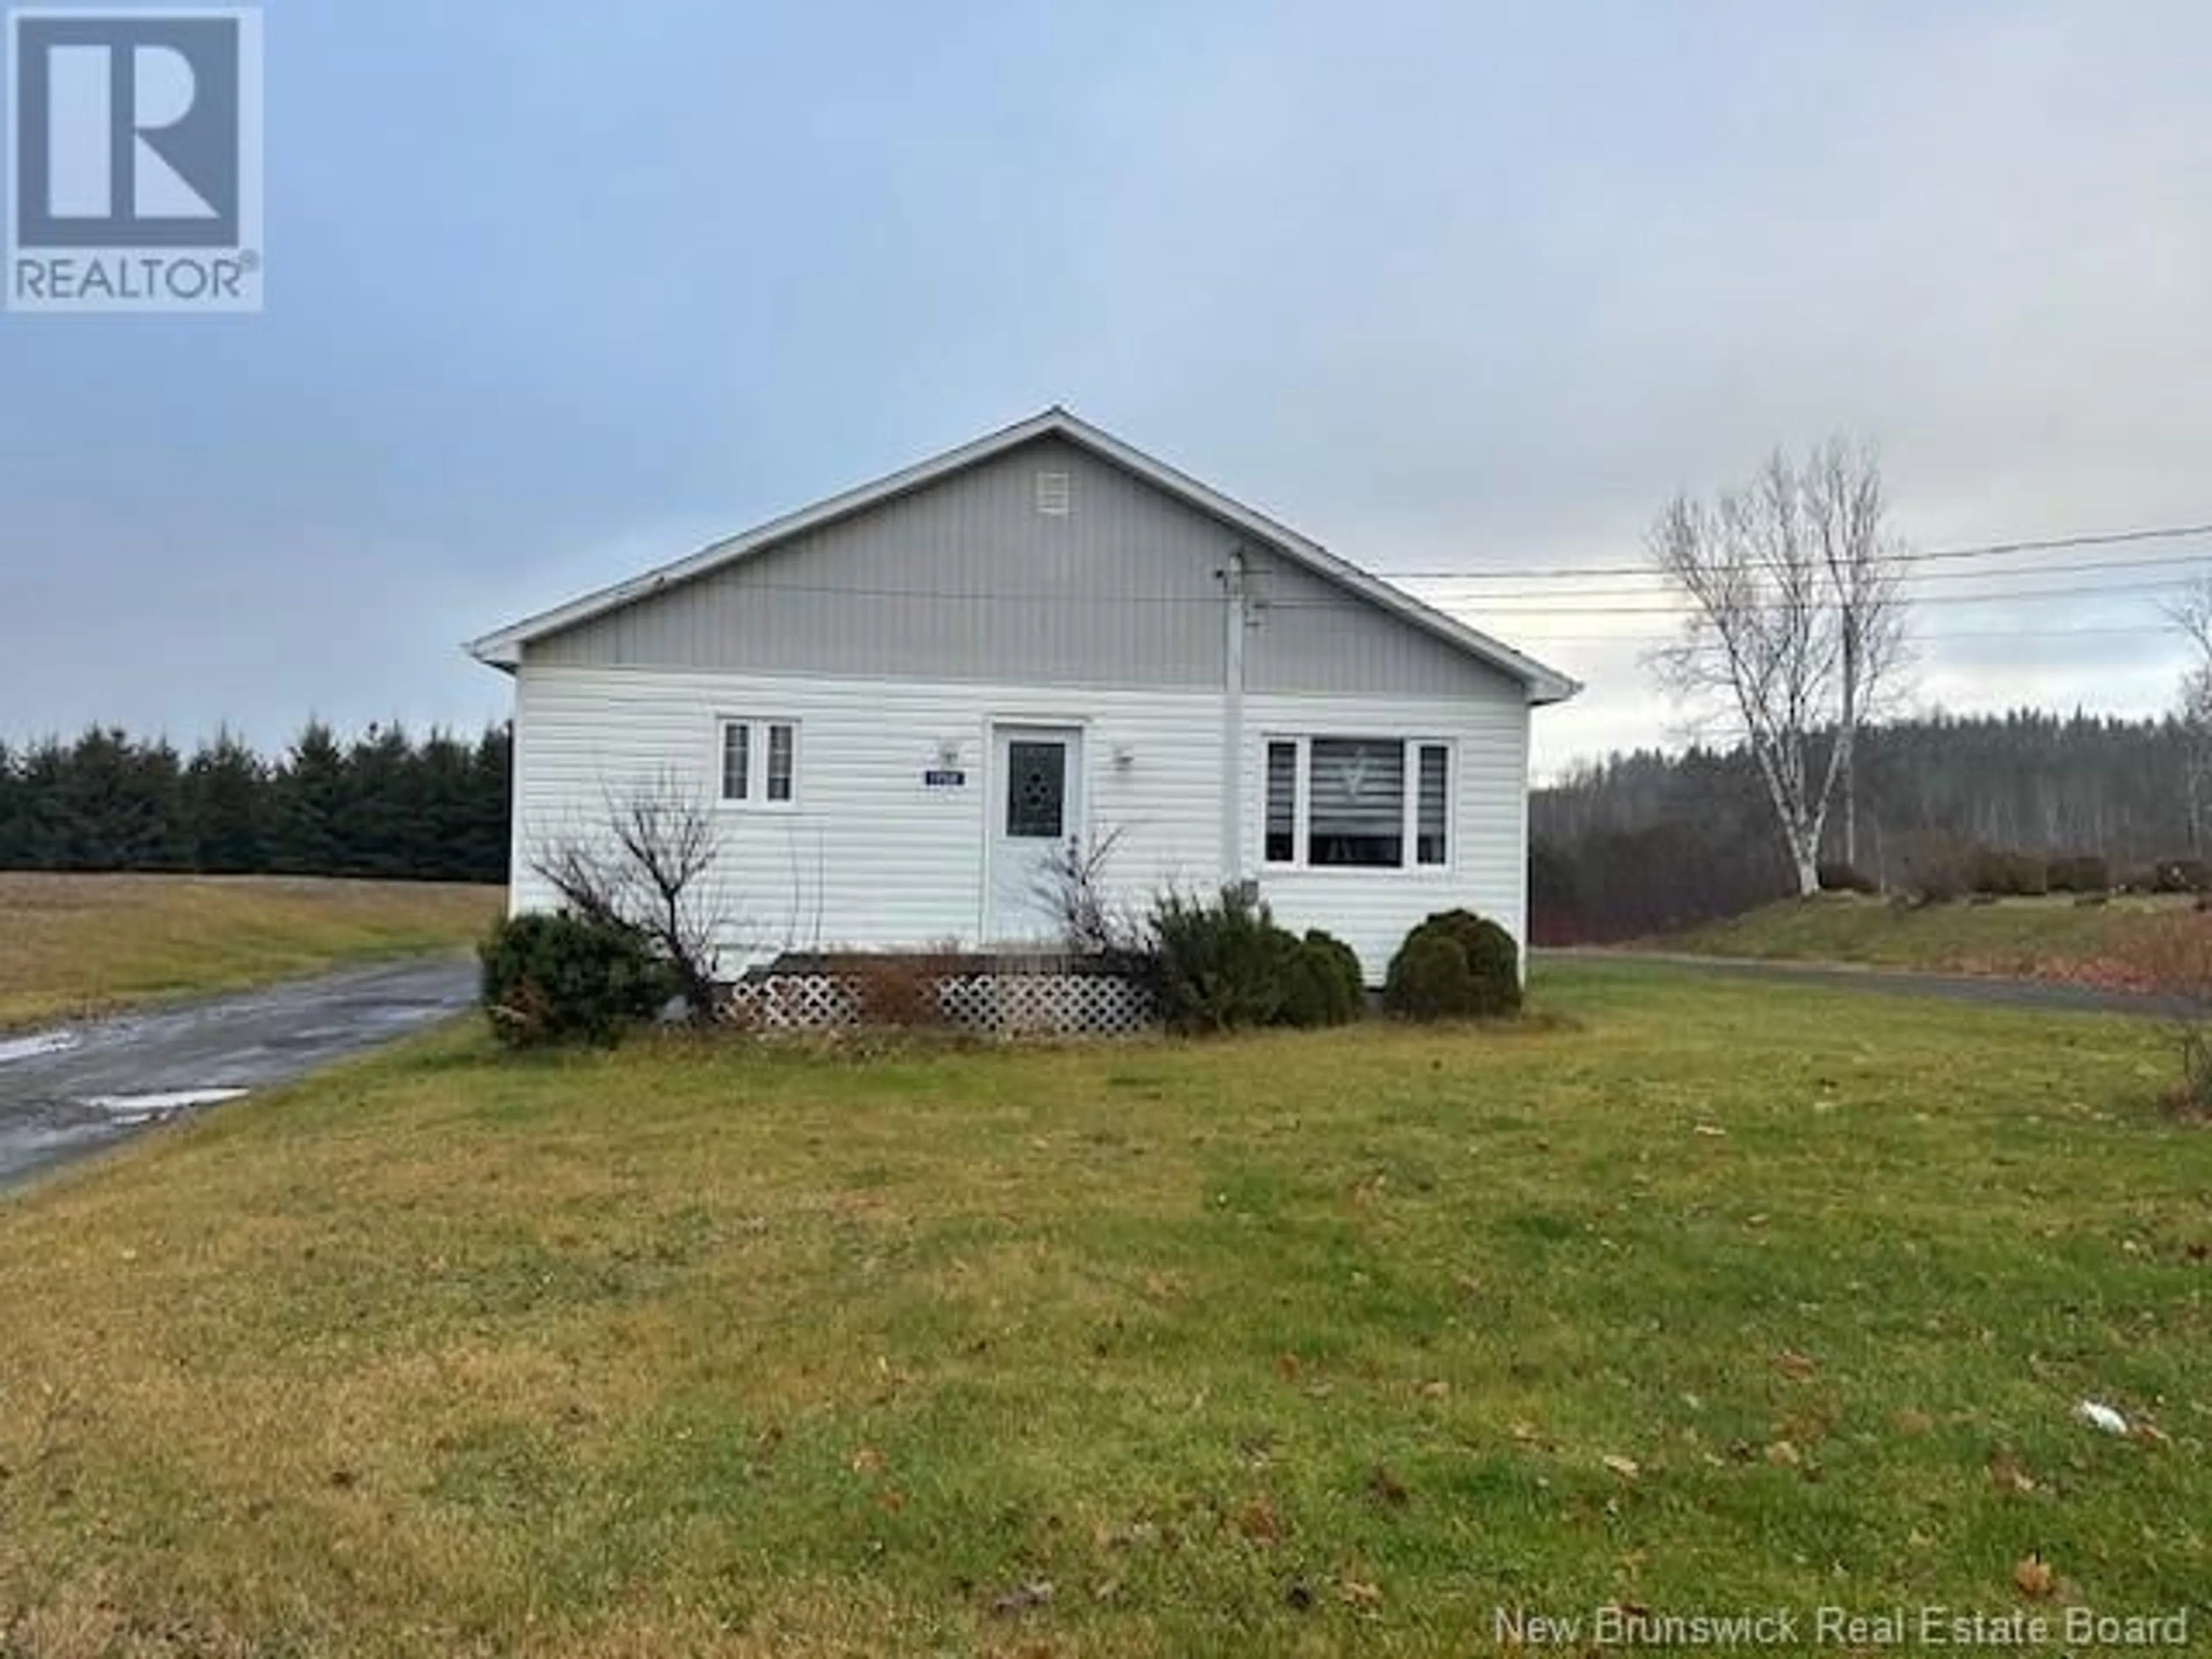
{"x": 559, "y": 290}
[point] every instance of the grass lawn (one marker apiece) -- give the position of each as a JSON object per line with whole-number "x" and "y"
{"x": 2049, "y": 938}
{"x": 1695, "y": 1296}
{"x": 76, "y": 945}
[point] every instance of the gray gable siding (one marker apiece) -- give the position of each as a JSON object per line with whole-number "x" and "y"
{"x": 966, "y": 580}
{"x": 1309, "y": 634}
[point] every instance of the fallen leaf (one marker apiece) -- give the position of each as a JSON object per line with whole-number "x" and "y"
{"x": 1358, "y": 1592}
{"x": 2006, "y": 1476}
{"x": 1783, "y": 1455}
{"x": 1257, "y": 1522}
{"x": 1796, "y": 1366}
{"x": 2033, "y": 1577}
{"x": 1287, "y": 1367}
{"x": 867, "y": 1461}
{"x": 1626, "y": 1467}
{"x": 1023, "y": 1598}
{"x": 1526, "y": 1433}
{"x": 1436, "y": 1390}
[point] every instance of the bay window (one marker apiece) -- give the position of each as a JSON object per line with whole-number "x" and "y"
{"x": 1358, "y": 803}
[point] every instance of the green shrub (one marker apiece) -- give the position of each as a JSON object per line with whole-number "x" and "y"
{"x": 1422, "y": 985}
{"x": 1324, "y": 984}
{"x": 1430, "y": 979}
{"x": 553, "y": 978}
{"x": 1220, "y": 962}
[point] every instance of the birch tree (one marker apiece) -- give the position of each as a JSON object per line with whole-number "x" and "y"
{"x": 1795, "y": 634}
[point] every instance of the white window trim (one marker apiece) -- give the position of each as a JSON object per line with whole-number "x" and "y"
{"x": 757, "y": 747}
{"x": 1302, "y": 824}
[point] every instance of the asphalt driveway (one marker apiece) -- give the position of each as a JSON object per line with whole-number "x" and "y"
{"x": 69, "y": 1091}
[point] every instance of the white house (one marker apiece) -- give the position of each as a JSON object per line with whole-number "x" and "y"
{"x": 901, "y": 699}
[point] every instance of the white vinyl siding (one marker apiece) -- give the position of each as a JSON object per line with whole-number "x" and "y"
{"x": 870, "y": 853}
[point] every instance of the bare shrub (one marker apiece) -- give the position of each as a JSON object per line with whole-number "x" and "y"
{"x": 644, "y": 867}
{"x": 1072, "y": 887}
{"x": 2176, "y": 955}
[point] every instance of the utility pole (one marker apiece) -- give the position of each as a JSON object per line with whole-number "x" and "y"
{"x": 1233, "y": 721}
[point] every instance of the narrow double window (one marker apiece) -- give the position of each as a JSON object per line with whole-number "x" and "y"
{"x": 760, "y": 762}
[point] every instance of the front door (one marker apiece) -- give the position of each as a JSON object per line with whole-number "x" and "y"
{"x": 1036, "y": 809}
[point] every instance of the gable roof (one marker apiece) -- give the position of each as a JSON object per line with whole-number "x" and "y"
{"x": 503, "y": 649}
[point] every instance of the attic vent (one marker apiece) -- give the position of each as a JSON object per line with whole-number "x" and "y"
{"x": 1055, "y": 495}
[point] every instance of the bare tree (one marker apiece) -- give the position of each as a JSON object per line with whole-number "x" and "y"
{"x": 644, "y": 867}
{"x": 1796, "y": 632}
{"x": 2192, "y": 615}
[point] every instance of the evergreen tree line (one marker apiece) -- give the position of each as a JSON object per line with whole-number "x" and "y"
{"x": 383, "y": 805}
{"x": 1645, "y": 841}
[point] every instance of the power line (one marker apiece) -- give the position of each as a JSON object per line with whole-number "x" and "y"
{"x": 2149, "y": 561}
{"x": 1981, "y": 550}
{"x": 1917, "y": 639}
{"x": 1685, "y": 608}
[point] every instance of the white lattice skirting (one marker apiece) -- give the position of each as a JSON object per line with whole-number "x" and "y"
{"x": 1003, "y": 1003}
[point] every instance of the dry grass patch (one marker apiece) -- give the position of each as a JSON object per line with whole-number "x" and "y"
{"x": 71, "y": 946}
{"x": 2051, "y": 938}
{"x": 1295, "y": 1343}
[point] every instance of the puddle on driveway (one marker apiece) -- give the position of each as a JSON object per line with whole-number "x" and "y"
{"x": 38, "y": 1043}
{"x": 143, "y": 1108}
